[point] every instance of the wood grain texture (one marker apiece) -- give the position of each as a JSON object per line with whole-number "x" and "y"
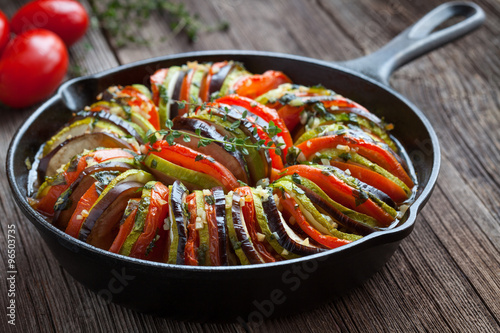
{"x": 445, "y": 277}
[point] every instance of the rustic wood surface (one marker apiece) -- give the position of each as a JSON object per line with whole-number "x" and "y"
{"x": 445, "y": 277}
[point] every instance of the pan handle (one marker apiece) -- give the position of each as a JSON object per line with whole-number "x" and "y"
{"x": 419, "y": 39}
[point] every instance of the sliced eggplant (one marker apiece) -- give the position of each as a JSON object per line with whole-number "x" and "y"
{"x": 178, "y": 223}
{"x": 131, "y": 176}
{"x": 65, "y": 151}
{"x": 236, "y": 243}
{"x": 232, "y": 77}
{"x": 248, "y": 128}
{"x": 367, "y": 223}
{"x": 345, "y": 221}
{"x": 286, "y": 237}
{"x": 67, "y": 202}
{"x": 174, "y": 107}
{"x": 260, "y": 195}
{"x": 219, "y": 78}
{"x": 110, "y": 208}
{"x": 361, "y": 189}
{"x": 233, "y": 160}
{"x": 258, "y": 161}
{"x": 242, "y": 235}
{"x": 220, "y": 215}
{"x": 107, "y": 224}
{"x": 139, "y": 222}
{"x": 117, "y": 121}
{"x": 78, "y": 127}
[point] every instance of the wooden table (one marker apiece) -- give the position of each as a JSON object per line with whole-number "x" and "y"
{"x": 445, "y": 277}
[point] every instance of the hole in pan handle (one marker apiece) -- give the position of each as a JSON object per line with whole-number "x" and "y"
{"x": 419, "y": 39}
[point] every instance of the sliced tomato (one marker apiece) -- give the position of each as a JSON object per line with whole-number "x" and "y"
{"x": 191, "y": 159}
{"x": 370, "y": 150}
{"x": 262, "y": 111}
{"x": 193, "y": 238}
{"x": 147, "y": 245}
{"x": 145, "y": 104}
{"x": 156, "y": 82}
{"x": 290, "y": 115}
{"x": 82, "y": 209}
{"x": 290, "y": 205}
{"x": 276, "y": 161}
{"x": 374, "y": 179}
{"x": 125, "y": 229}
{"x": 251, "y": 223}
{"x": 339, "y": 191}
{"x": 258, "y": 84}
{"x": 213, "y": 234}
{"x": 46, "y": 204}
{"x": 205, "y": 87}
{"x": 184, "y": 94}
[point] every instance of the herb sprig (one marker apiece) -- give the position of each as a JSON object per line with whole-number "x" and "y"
{"x": 230, "y": 144}
{"x": 115, "y": 15}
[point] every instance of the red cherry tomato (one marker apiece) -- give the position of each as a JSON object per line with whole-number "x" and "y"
{"x": 32, "y": 67}
{"x": 4, "y": 31}
{"x": 67, "y": 18}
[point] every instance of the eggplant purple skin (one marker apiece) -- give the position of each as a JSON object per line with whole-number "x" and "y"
{"x": 276, "y": 227}
{"x": 179, "y": 192}
{"x": 111, "y": 142}
{"x": 209, "y": 131}
{"x": 242, "y": 236}
{"x": 105, "y": 203}
{"x": 368, "y": 188}
{"x": 62, "y": 216}
{"x": 248, "y": 129}
{"x": 218, "y": 79}
{"x": 342, "y": 219}
{"x": 174, "y": 107}
{"x": 111, "y": 216}
{"x": 113, "y": 119}
{"x": 220, "y": 216}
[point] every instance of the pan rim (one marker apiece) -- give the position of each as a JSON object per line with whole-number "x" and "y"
{"x": 387, "y": 236}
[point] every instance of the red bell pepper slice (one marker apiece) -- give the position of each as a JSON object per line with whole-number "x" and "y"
{"x": 146, "y": 246}
{"x": 144, "y": 103}
{"x": 124, "y": 231}
{"x": 290, "y": 115}
{"x": 82, "y": 208}
{"x": 291, "y": 207}
{"x": 262, "y": 111}
{"x": 339, "y": 191}
{"x": 255, "y": 85}
{"x": 251, "y": 223}
{"x": 374, "y": 179}
{"x": 191, "y": 159}
{"x": 276, "y": 161}
{"x": 184, "y": 93}
{"x": 369, "y": 150}
{"x": 193, "y": 238}
{"x": 157, "y": 80}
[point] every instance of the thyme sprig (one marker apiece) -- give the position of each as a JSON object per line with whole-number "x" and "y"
{"x": 230, "y": 144}
{"x": 115, "y": 15}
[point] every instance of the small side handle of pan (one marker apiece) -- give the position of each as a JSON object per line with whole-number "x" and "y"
{"x": 419, "y": 39}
